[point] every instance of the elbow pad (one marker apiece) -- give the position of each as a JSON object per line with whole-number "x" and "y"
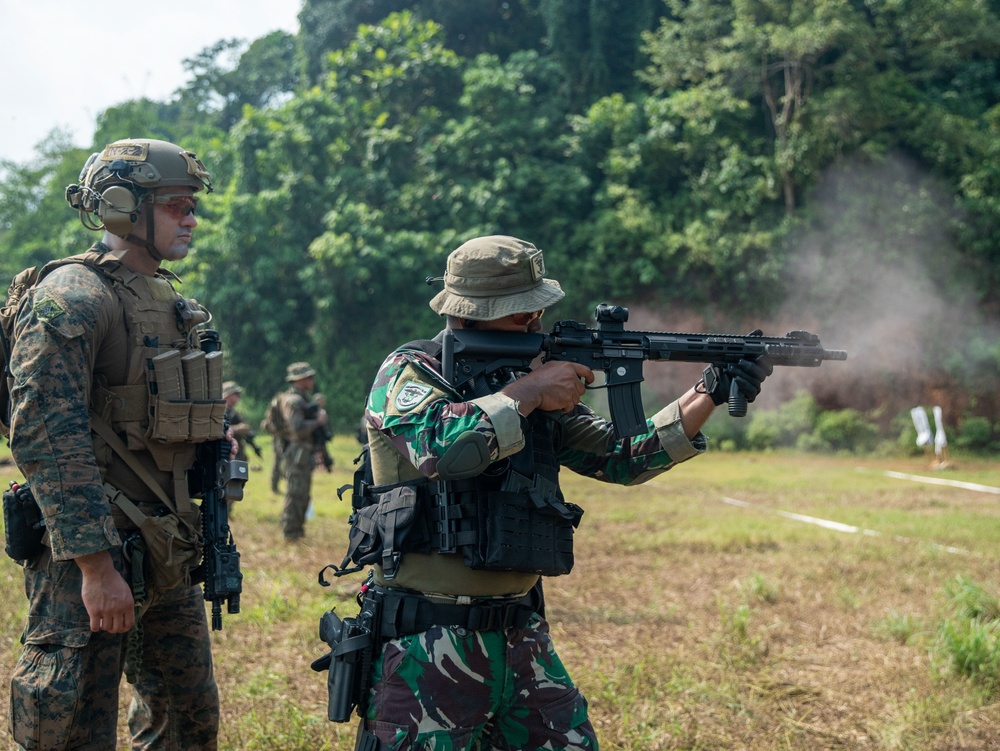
{"x": 467, "y": 457}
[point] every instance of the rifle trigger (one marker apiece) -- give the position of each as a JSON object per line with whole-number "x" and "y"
{"x": 596, "y": 386}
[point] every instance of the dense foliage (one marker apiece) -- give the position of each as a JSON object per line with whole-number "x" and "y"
{"x": 747, "y": 161}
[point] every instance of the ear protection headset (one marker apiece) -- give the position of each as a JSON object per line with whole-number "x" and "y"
{"x": 118, "y": 210}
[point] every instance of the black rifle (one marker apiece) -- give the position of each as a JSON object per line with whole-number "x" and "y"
{"x": 469, "y": 356}
{"x": 217, "y": 479}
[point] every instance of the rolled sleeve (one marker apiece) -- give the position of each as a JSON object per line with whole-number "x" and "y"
{"x": 502, "y": 412}
{"x": 675, "y": 442}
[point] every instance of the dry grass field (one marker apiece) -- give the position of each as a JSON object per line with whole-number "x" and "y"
{"x": 702, "y": 614}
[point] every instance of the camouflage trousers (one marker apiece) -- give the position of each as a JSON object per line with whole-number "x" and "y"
{"x": 278, "y": 470}
{"x": 298, "y": 459}
{"x": 450, "y": 689}
{"x": 64, "y": 689}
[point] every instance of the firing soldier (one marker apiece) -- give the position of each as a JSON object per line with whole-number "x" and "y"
{"x": 471, "y": 515}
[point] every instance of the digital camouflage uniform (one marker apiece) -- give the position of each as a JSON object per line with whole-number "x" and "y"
{"x": 278, "y": 469}
{"x": 297, "y": 459}
{"x": 503, "y": 689}
{"x": 71, "y": 335}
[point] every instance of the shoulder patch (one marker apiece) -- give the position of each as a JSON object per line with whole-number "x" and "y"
{"x": 411, "y": 394}
{"x": 48, "y": 309}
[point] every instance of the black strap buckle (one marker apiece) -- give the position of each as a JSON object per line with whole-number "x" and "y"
{"x": 499, "y": 615}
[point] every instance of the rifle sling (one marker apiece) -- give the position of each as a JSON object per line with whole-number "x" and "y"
{"x": 110, "y": 437}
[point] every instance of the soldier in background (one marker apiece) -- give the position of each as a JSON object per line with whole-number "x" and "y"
{"x": 242, "y": 432}
{"x": 297, "y": 432}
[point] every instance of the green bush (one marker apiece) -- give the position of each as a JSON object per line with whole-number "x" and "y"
{"x": 976, "y": 434}
{"x": 812, "y": 442}
{"x": 846, "y": 430}
{"x": 726, "y": 433}
{"x": 797, "y": 423}
{"x": 783, "y": 426}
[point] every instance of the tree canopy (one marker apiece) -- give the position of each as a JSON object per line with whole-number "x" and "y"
{"x": 746, "y": 160}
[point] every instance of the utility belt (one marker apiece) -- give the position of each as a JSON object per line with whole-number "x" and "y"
{"x": 404, "y": 613}
{"x": 388, "y": 613}
{"x": 171, "y": 544}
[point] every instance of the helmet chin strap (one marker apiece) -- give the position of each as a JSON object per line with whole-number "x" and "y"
{"x": 149, "y": 243}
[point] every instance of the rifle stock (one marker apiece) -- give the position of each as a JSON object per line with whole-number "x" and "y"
{"x": 469, "y": 355}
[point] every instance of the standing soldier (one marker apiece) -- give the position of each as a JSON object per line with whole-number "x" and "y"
{"x": 470, "y": 515}
{"x": 111, "y": 393}
{"x": 299, "y": 421}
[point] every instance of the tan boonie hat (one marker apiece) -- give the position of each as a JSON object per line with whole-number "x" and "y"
{"x": 492, "y": 277}
{"x": 298, "y": 370}
{"x": 231, "y": 387}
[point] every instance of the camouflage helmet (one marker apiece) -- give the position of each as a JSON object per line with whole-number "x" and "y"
{"x": 114, "y": 182}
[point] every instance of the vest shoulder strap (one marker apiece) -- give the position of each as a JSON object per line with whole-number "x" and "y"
{"x": 427, "y": 346}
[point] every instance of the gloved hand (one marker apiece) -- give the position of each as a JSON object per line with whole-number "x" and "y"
{"x": 747, "y": 374}
{"x": 736, "y": 383}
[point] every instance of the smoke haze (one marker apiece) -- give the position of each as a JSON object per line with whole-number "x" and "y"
{"x": 876, "y": 273}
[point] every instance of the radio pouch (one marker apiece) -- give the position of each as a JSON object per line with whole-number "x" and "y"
{"x": 23, "y": 525}
{"x": 173, "y": 542}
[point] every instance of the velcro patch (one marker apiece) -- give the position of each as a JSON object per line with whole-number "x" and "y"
{"x": 48, "y": 309}
{"x": 536, "y": 265}
{"x": 411, "y": 394}
{"x": 130, "y": 151}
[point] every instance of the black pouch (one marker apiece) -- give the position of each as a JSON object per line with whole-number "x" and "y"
{"x": 380, "y": 533}
{"x": 517, "y": 534}
{"x": 23, "y": 524}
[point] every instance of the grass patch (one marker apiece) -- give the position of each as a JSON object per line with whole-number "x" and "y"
{"x": 689, "y": 623}
{"x": 969, "y": 640}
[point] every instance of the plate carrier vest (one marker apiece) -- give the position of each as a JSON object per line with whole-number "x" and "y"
{"x": 172, "y": 395}
{"x": 511, "y": 517}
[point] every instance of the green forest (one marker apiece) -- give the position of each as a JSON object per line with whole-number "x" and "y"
{"x": 831, "y": 165}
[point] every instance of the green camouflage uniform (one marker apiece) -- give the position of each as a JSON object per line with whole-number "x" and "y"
{"x": 297, "y": 459}
{"x": 71, "y": 336}
{"x": 449, "y": 687}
